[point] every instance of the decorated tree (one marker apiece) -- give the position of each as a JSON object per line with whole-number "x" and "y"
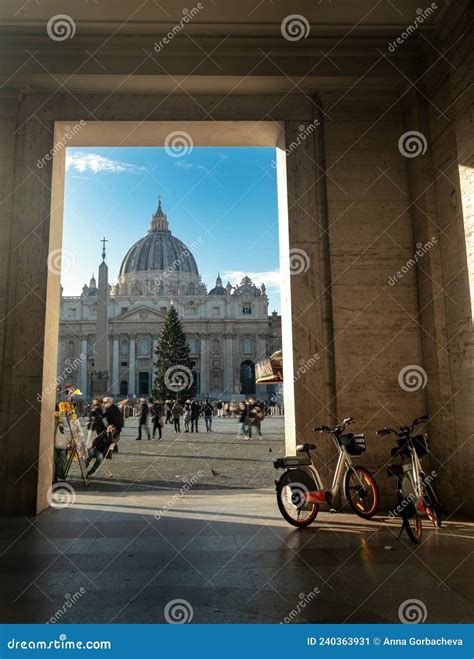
{"x": 174, "y": 377}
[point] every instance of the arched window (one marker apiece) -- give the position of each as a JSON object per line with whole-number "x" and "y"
{"x": 192, "y": 346}
{"x": 216, "y": 346}
{"x": 248, "y": 346}
{"x": 71, "y": 349}
{"x": 144, "y": 346}
{"x": 124, "y": 388}
{"x": 124, "y": 348}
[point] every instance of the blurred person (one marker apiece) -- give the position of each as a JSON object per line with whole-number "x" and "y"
{"x": 177, "y": 411}
{"x": 143, "y": 417}
{"x": 156, "y": 412}
{"x": 195, "y": 414}
{"x": 208, "y": 412}
{"x": 114, "y": 417}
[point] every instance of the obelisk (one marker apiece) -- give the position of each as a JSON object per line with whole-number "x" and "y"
{"x": 100, "y": 382}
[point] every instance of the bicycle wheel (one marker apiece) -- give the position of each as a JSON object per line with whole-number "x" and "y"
{"x": 411, "y": 520}
{"x": 361, "y": 492}
{"x": 291, "y": 499}
{"x": 431, "y": 504}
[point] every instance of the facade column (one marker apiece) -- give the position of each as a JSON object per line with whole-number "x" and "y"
{"x": 115, "y": 385}
{"x": 152, "y": 369}
{"x": 204, "y": 366}
{"x": 260, "y": 347}
{"x": 229, "y": 364}
{"x": 131, "y": 365}
{"x": 83, "y": 366}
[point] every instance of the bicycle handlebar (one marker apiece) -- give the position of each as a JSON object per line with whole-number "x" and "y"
{"x": 337, "y": 429}
{"x": 404, "y": 429}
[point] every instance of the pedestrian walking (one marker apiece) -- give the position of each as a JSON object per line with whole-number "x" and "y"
{"x": 142, "y": 421}
{"x": 177, "y": 411}
{"x": 195, "y": 413}
{"x": 242, "y": 417}
{"x": 208, "y": 412}
{"x": 156, "y": 412}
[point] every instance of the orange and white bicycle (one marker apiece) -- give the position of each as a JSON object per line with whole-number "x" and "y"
{"x": 300, "y": 491}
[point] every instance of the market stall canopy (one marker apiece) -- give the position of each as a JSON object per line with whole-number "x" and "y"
{"x": 270, "y": 370}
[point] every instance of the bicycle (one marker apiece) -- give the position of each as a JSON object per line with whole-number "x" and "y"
{"x": 415, "y": 495}
{"x": 300, "y": 491}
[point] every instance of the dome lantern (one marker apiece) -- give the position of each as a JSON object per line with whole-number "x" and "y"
{"x": 159, "y": 221}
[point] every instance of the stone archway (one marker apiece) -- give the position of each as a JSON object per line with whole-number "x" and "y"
{"x": 247, "y": 378}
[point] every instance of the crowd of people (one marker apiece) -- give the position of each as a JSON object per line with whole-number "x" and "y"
{"x": 250, "y": 414}
{"x": 106, "y": 419}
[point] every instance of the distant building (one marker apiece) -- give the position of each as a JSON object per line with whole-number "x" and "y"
{"x": 229, "y": 328}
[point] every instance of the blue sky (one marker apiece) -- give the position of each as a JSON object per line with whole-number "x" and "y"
{"x": 222, "y": 199}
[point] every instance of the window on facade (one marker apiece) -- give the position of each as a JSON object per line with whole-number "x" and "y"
{"x": 124, "y": 348}
{"x": 192, "y": 346}
{"x": 123, "y": 363}
{"x": 247, "y": 309}
{"x": 215, "y": 312}
{"x": 216, "y": 346}
{"x": 70, "y": 349}
{"x": 144, "y": 346}
{"x": 248, "y": 347}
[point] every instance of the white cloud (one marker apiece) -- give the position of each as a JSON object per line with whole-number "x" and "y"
{"x": 94, "y": 163}
{"x": 271, "y": 278}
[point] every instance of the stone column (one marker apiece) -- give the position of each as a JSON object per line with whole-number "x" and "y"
{"x": 229, "y": 364}
{"x": 204, "y": 366}
{"x": 83, "y": 367}
{"x": 132, "y": 377}
{"x": 114, "y": 384}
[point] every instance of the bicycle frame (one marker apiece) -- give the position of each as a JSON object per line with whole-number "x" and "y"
{"x": 344, "y": 463}
{"x": 411, "y": 471}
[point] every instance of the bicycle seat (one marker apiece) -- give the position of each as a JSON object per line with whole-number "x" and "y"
{"x": 305, "y": 447}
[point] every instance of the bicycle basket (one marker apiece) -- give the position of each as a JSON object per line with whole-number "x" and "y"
{"x": 421, "y": 444}
{"x": 354, "y": 444}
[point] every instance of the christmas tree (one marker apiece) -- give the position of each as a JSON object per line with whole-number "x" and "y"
{"x": 173, "y": 365}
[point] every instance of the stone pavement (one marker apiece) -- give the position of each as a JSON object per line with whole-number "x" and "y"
{"x": 180, "y": 458}
{"x": 143, "y": 548}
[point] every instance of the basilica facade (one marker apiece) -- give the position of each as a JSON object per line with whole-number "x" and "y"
{"x": 228, "y": 328}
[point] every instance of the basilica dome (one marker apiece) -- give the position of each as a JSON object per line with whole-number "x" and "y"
{"x": 159, "y": 250}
